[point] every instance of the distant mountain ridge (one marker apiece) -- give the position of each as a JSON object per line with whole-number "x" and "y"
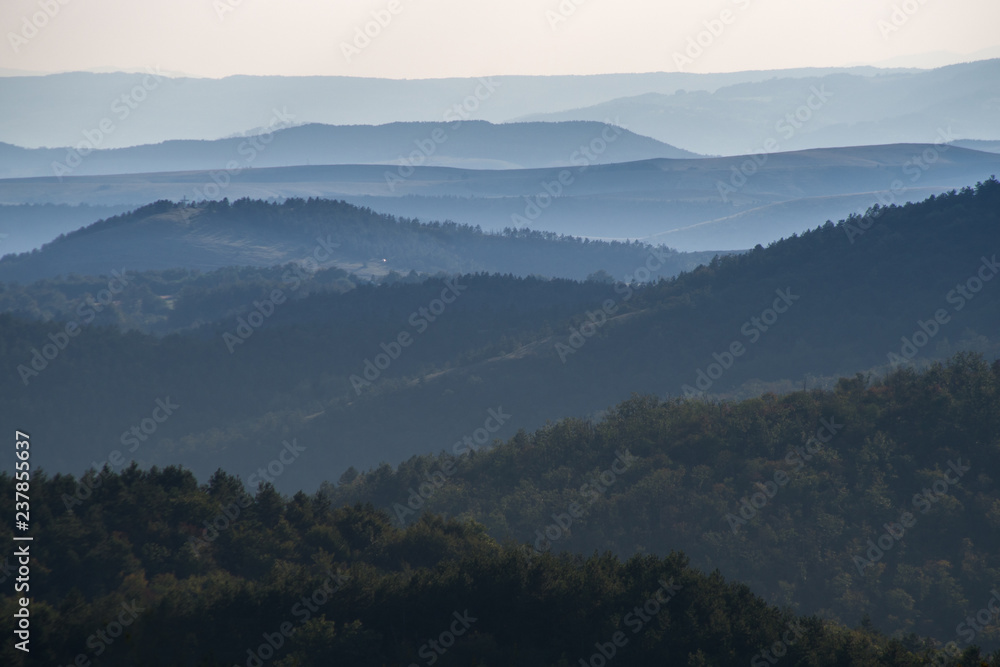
{"x": 467, "y": 144}
{"x": 55, "y": 110}
{"x": 214, "y": 235}
{"x": 978, "y": 145}
{"x": 843, "y": 109}
{"x": 702, "y": 204}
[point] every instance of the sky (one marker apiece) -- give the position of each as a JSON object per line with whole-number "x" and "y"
{"x": 452, "y": 38}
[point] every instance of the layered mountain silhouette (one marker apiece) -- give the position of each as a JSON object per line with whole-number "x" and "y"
{"x": 471, "y": 144}
{"x": 149, "y": 106}
{"x": 214, "y": 235}
{"x": 844, "y": 109}
{"x": 692, "y": 205}
{"x": 840, "y": 299}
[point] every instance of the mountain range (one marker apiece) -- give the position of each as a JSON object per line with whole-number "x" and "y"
{"x": 714, "y": 114}
{"x": 469, "y": 144}
{"x": 163, "y": 236}
{"x": 542, "y": 356}
{"x": 695, "y": 204}
{"x": 837, "y": 300}
{"x": 842, "y": 109}
{"x": 151, "y": 106}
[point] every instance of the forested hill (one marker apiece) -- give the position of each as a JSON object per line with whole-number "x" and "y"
{"x": 131, "y": 579}
{"x": 211, "y": 235}
{"x": 831, "y": 479}
{"x": 794, "y": 496}
{"x": 329, "y": 367}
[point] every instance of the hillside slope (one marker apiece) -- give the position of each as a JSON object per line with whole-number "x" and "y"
{"x": 324, "y": 234}
{"x": 311, "y": 585}
{"x": 379, "y": 373}
{"x": 793, "y": 495}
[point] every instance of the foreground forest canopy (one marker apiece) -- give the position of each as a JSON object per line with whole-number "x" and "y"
{"x": 803, "y": 497}
{"x": 369, "y": 569}
{"x": 300, "y": 583}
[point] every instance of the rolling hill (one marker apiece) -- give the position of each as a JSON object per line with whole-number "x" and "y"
{"x": 469, "y": 144}
{"x": 326, "y": 585}
{"x": 693, "y": 205}
{"x": 324, "y": 233}
{"x": 328, "y": 367}
{"x": 886, "y": 513}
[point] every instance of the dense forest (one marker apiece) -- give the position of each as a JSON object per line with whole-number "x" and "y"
{"x": 540, "y": 349}
{"x": 210, "y": 574}
{"x": 170, "y": 301}
{"x": 787, "y": 494}
{"x": 131, "y": 578}
{"x": 870, "y": 504}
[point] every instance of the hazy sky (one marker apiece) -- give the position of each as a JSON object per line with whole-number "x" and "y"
{"x": 440, "y": 38}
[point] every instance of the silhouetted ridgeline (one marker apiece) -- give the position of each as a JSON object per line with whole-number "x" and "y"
{"x": 210, "y": 235}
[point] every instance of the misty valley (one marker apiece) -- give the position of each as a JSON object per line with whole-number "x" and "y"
{"x": 422, "y": 360}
